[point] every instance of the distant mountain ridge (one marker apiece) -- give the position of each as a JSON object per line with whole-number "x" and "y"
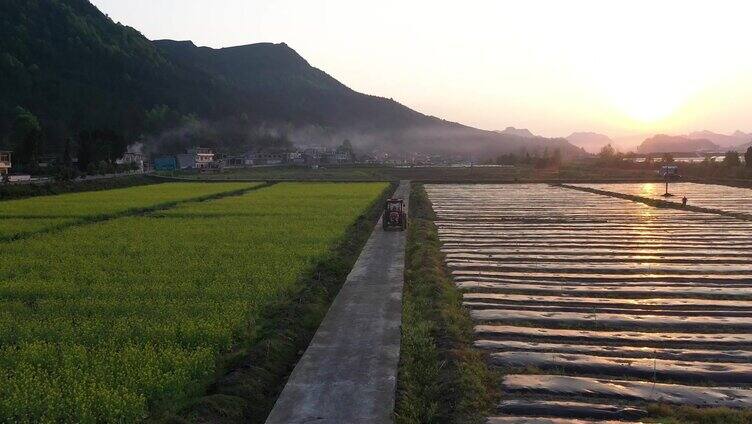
{"x": 743, "y": 147}
{"x": 694, "y": 142}
{"x": 698, "y": 141}
{"x": 663, "y": 143}
{"x": 517, "y": 132}
{"x": 590, "y": 141}
{"x": 75, "y": 69}
{"x": 722, "y": 140}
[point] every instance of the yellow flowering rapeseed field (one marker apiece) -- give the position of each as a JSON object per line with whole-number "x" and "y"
{"x": 40, "y": 213}
{"x": 104, "y": 321}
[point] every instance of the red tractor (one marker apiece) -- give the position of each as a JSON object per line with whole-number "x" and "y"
{"x": 395, "y": 215}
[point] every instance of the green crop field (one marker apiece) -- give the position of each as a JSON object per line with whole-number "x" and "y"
{"x": 13, "y": 227}
{"x": 40, "y": 213}
{"x": 109, "y": 321}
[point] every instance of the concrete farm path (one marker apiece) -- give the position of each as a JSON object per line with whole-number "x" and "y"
{"x": 348, "y": 373}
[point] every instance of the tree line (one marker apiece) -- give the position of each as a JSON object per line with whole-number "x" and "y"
{"x": 610, "y": 156}
{"x": 730, "y": 167}
{"x": 91, "y": 151}
{"x": 538, "y": 159}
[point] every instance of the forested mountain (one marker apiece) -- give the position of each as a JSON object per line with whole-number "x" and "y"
{"x": 281, "y": 88}
{"x": 278, "y": 84}
{"x": 70, "y": 66}
{"x": 75, "y": 69}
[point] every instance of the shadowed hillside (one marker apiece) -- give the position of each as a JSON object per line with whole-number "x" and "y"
{"x": 281, "y": 87}
{"x": 71, "y": 66}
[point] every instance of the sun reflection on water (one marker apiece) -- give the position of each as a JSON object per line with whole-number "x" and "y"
{"x": 648, "y": 190}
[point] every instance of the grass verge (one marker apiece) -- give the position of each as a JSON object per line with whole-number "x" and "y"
{"x": 250, "y": 378}
{"x": 665, "y": 414}
{"x": 442, "y": 377}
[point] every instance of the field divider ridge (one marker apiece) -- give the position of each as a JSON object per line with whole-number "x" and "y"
{"x": 270, "y": 180}
{"x": 94, "y": 219}
{"x": 656, "y": 202}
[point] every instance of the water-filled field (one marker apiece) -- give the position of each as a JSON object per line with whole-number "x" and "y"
{"x": 102, "y": 321}
{"x": 40, "y": 213}
{"x": 725, "y": 198}
{"x": 595, "y": 306}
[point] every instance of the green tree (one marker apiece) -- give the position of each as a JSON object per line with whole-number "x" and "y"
{"x": 99, "y": 145}
{"x": 667, "y": 158}
{"x": 556, "y": 158}
{"x": 87, "y": 154}
{"x": 346, "y": 147}
{"x": 748, "y": 157}
{"x": 732, "y": 159}
{"x": 26, "y": 138}
{"x": 156, "y": 119}
{"x": 65, "y": 173}
{"x": 64, "y": 170}
{"x": 607, "y": 153}
{"x": 68, "y": 152}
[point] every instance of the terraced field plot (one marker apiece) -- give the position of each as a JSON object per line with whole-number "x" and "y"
{"x": 595, "y": 306}
{"x": 711, "y": 196}
{"x": 40, "y": 213}
{"x": 108, "y": 321}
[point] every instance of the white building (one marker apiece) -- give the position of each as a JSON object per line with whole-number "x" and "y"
{"x": 203, "y": 157}
{"x": 5, "y": 163}
{"x": 195, "y": 158}
{"x": 139, "y": 159}
{"x": 265, "y": 158}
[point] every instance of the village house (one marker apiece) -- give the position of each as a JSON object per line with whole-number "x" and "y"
{"x": 342, "y": 157}
{"x": 140, "y": 159}
{"x": 265, "y": 158}
{"x": 47, "y": 161}
{"x": 5, "y": 163}
{"x": 195, "y": 158}
{"x": 295, "y": 158}
{"x": 311, "y": 156}
{"x": 333, "y": 157}
{"x": 233, "y": 161}
{"x": 165, "y": 163}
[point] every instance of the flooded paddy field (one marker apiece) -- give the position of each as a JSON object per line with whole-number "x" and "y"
{"x": 594, "y": 307}
{"x": 711, "y": 196}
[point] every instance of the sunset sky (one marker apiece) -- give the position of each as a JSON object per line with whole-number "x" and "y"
{"x": 617, "y": 67}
